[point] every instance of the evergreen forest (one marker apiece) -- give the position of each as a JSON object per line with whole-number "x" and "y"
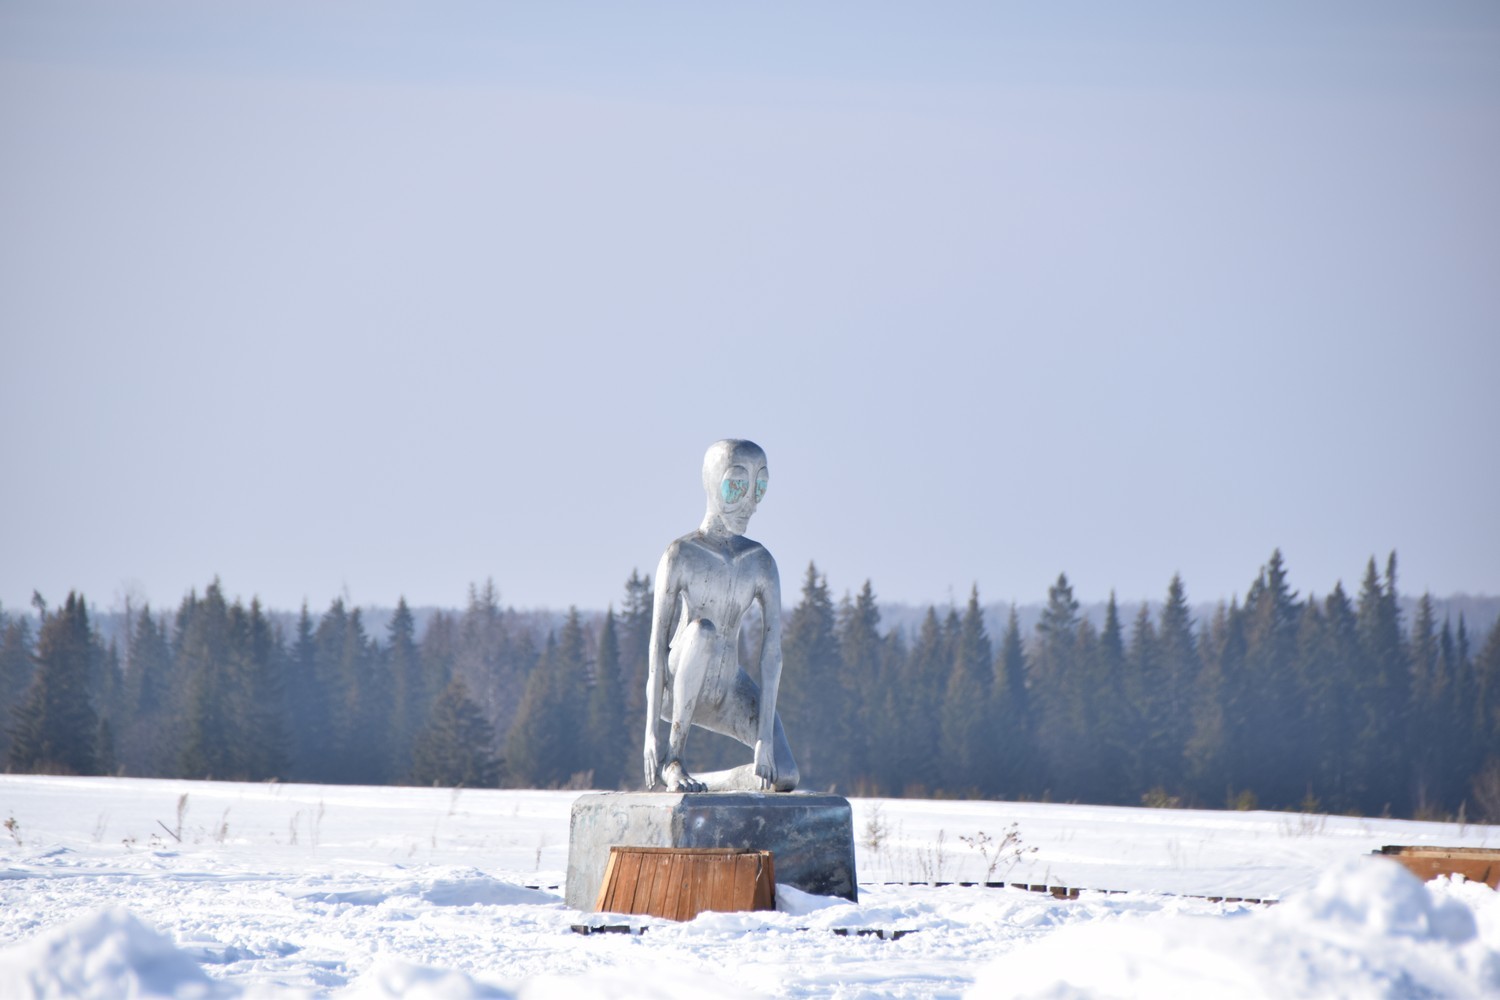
{"x": 1340, "y": 703}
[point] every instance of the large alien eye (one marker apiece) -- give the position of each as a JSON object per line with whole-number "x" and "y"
{"x": 733, "y": 490}
{"x": 760, "y": 487}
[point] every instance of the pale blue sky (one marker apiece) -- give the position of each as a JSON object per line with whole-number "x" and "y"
{"x": 388, "y": 298}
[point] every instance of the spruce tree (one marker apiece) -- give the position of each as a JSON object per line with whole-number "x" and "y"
{"x": 1486, "y": 722}
{"x": 214, "y": 731}
{"x": 369, "y": 740}
{"x": 1429, "y": 691}
{"x": 1265, "y": 737}
{"x": 262, "y": 662}
{"x": 456, "y": 746}
{"x": 1060, "y": 695}
{"x": 1383, "y": 692}
{"x": 1178, "y": 666}
{"x": 147, "y": 746}
{"x": 536, "y": 751}
{"x": 437, "y": 657}
{"x": 55, "y": 728}
{"x": 1115, "y": 725}
{"x": 1311, "y": 681}
{"x": 1012, "y": 715}
{"x": 968, "y": 736}
{"x": 809, "y": 699}
{"x": 925, "y": 686}
{"x": 1208, "y": 757}
{"x": 16, "y": 669}
{"x": 489, "y": 658}
{"x": 608, "y": 740}
{"x": 634, "y": 627}
{"x": 407, "y": 705}
{"x": 306, "y": 700}
{"x": 862, "y": 683}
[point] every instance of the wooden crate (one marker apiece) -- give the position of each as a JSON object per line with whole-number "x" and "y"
{"x": 681, "y": 882}
{"x": 1477, "y": 864}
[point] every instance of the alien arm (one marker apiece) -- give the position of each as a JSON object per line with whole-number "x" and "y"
{"x": 770, "y": 656}
{"x": 663, "y": 601}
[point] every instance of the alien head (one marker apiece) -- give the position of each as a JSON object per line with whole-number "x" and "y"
{"x": 735, "y": 478}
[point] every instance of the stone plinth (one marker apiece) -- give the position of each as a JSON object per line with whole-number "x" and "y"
{"x": 812, "y": 836}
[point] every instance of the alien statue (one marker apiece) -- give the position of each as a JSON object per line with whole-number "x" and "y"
{"x": 707, "y": 580}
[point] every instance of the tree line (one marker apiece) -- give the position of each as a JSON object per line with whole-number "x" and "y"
{"x": 1334, "y": 704}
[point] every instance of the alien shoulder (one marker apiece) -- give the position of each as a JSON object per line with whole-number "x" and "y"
{"x": 677, "y": 558}
{"x": 760, "y": 557}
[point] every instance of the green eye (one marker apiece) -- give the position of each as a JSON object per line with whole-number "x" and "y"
{"x": 760, "y": 490}
{"x": 734, "y": 490}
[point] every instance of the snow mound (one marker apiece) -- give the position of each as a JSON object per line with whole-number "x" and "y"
{"x": 397, "y": 980}
{"x": 790, "y": 899}
{"x": 103, "y": 956}
{"x": 1367, "y": 928}
{"x": 454, "y": 889}
{"x": 482, "y": 891}
{"x": 1379, "y": 898}
{"x": 658, "y": 981}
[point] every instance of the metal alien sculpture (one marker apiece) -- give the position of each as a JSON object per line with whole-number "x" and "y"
{"x": 705, "y": 584}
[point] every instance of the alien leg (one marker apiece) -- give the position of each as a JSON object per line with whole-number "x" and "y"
{"x": 739, "y": 718}
{"x": 690, "y": 657}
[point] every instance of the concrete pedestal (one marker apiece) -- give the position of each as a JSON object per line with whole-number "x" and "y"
{"x": 812, "y": 836}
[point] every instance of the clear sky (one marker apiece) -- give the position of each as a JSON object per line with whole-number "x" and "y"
{"x": 379, "y": 299}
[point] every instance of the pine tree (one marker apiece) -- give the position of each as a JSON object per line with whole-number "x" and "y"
{"x": 1177, "y": 645}
{"x": 967, "y": 737}
{"x": 407, "y": 704}
{"x": 888, "y": 725}
{"x": 862, "y": 683}
{"x": 1429, "y": 691}
{"x": 609, "y": 746}
{"x": 456, "y": 746}
{"x": 536, "y": 751}
{"x": 1309, "y": 677}
{"x": 1383, "y": 691}
{"x": 1467, "y": 735}
{"x": 1339, "y": 716}
{"x": 489, "y": 659}
{"x": 438, "y": 658}
{"x": 213, "y": 731}
{"x": 1265, "y": 739}
{"x": 16, "y": 669}
{"x": 923, "y": 687}
{"x": 1060, "y": 690}
{"x": 307, "y": 704}
{"x": 55, "y": 728}
{"x": 809, "y": 699}
{"x": 369, "y": 741}
{"x": 1115, "y": 724}
{"x": 1011, "y": 711}
{"x": 1486, "y": 722}
{"x": 262, "y": 664}
{"x": 150, "y": 722}
{"x": 635, "y": 652}
{"x": 1208, "y": 756}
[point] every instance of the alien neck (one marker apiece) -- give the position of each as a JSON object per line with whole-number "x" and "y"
{"x": 714, "y": 529}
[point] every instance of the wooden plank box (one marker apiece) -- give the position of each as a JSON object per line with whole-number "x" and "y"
{"x": 679, "y": 883}
{"x": 1477, "y": 864}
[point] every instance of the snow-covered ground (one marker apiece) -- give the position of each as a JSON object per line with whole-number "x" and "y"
{"x": 276, "y": 890}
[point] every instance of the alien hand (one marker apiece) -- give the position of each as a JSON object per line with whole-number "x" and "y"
{"x": 652, "y": 762}
{"x": 765, "y": 765}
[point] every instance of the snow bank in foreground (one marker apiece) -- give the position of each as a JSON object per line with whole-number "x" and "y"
{"x": 111, "y": 954}
{"x": 1368, "y": 928}
{"x": 106, "y": 956}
